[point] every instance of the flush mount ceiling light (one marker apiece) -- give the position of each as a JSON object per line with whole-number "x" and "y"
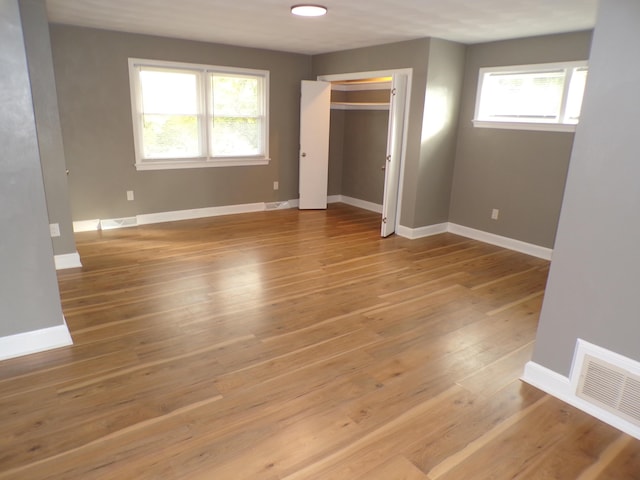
{"x": 309, "y": 10}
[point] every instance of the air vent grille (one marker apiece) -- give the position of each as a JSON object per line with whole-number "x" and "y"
{"x": 611, "y": 388}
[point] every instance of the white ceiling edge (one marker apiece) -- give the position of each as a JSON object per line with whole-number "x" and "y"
{"x": 268, "y": 24}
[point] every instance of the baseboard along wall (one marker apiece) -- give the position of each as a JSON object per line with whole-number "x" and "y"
{"x": 35, "y": 341}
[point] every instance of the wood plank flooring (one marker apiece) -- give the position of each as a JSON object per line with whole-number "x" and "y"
{"x": 296, "y": 345}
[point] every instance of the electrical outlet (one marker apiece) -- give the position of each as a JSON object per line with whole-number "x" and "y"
{"x": 494, "y": 214}
{"x": 54, "y": 229}
{"x": 130, "y": 195}
{"x": 276, "y": 185}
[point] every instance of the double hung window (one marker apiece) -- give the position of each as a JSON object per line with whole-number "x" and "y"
{"x": 188, "y": 115}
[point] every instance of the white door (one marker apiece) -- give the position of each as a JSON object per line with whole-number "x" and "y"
{"x": 314, "y": 144}
{"x": 394, "y": 155}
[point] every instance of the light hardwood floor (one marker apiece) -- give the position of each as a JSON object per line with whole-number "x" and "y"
{"x": 296, "y": 345}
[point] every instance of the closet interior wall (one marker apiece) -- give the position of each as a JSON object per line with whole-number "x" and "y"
{"x": 358, "y": 143}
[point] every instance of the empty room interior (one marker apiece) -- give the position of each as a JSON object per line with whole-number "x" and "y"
{"x": 356, "y": 240}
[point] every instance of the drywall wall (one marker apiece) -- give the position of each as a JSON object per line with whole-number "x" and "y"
{"x": 521, "y": 173}
{"x": 439, "y": 131}
{"x": 29, "y": 296}
{"x": 592, "y": 291}
{"x": 336, "y": 148}
{"x": 93, "y": 93}
{"x": 45, "y": 101}
{"x": 364, "y": 152}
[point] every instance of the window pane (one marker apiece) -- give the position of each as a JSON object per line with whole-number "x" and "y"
{"x": 574, "y": 97}
{"x": 235, "y": 136}
{"x": 531, "y": 97}
{"x": 170, "y": 136}
{"x": 169, "y": 92}
{"x": 235, "y": 96}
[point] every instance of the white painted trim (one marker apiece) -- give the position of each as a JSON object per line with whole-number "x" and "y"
{"x": 149, "y": 218}
{"x": 334, "y": 199}
{"x": 537, "y": 126}
{"x": 360, "y": 75}
{"x": 67, "y": 260}
{"x": 500, "y": 241}
{"x": 162, "y": 217}
{"x": 560, "y": 387}
{"x": 357, "y": 87}
{"x": 36, "y": 341}
{"x": 207, "y": 163}
{"x": 356, "y": 202}
{"x": 421, "y": 232}
{"x": 86, "y": 225}
{"x": 359, "y": 106}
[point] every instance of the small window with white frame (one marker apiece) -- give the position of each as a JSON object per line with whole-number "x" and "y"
{"x": 190, "y": 116}
{"x": 531, "y": 97}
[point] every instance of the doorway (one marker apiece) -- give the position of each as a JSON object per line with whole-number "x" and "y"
{"x": 369, "y": 111}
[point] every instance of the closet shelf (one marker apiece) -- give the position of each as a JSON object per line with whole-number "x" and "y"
{"x": 360, "y": 105}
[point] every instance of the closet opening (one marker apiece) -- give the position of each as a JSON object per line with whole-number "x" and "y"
{"x": 367, "y": 138}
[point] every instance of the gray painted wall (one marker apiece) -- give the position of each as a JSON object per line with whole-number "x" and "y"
{"x": 29, "y": 297}
{"x": 93, "y": 91}
{"x": 336, "y": 150}
{"x": 439, "y": 131}
{"x": 593, "y": 284}
{"x": 522, "y": 173}
{"x": 43, "y": 88}
{"x": 365, "y": 149}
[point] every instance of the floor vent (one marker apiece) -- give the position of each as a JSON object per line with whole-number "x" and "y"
{"x": 111, "y": 223}
{"x": 277, "y": 205}
{"x": 610, "y": 387}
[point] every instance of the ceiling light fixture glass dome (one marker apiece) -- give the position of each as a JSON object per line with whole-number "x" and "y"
{"x": 309, "y": 10}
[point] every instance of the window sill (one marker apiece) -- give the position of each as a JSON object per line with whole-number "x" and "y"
{"x": 220, "y": 162}
{"x": 545, "y": 127}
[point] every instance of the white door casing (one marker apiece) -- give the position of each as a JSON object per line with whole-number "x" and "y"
{"x": 314, "y": 144}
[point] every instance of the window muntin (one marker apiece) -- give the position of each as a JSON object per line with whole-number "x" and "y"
{"x": 531, "y": 96}
{"x": 193, "y": 115}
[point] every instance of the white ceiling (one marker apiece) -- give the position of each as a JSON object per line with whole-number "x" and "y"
{"x": 349, "y": 23}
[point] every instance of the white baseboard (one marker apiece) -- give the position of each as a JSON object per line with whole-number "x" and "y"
{"x": 505, "y": 242}
{"x": 67, "y": 260}
{"x": 86, "y": 225}
{"x": 36, "y": 341}
{"x": 334, "y": 199}
{"x": 356, "y": 202}
{"x": 421, "y": 232}
{"x": 561, "y": 387}
{"x": 162, "y": 217}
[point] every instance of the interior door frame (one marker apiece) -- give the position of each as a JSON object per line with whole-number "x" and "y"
{"x": 408, "y": 72}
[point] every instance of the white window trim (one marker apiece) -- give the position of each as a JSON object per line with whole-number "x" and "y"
{"x": 200, "y": 162}
{"x": 536, "y": 126}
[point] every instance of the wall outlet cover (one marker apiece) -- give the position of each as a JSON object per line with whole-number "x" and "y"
{"x": 54, "y": 229}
